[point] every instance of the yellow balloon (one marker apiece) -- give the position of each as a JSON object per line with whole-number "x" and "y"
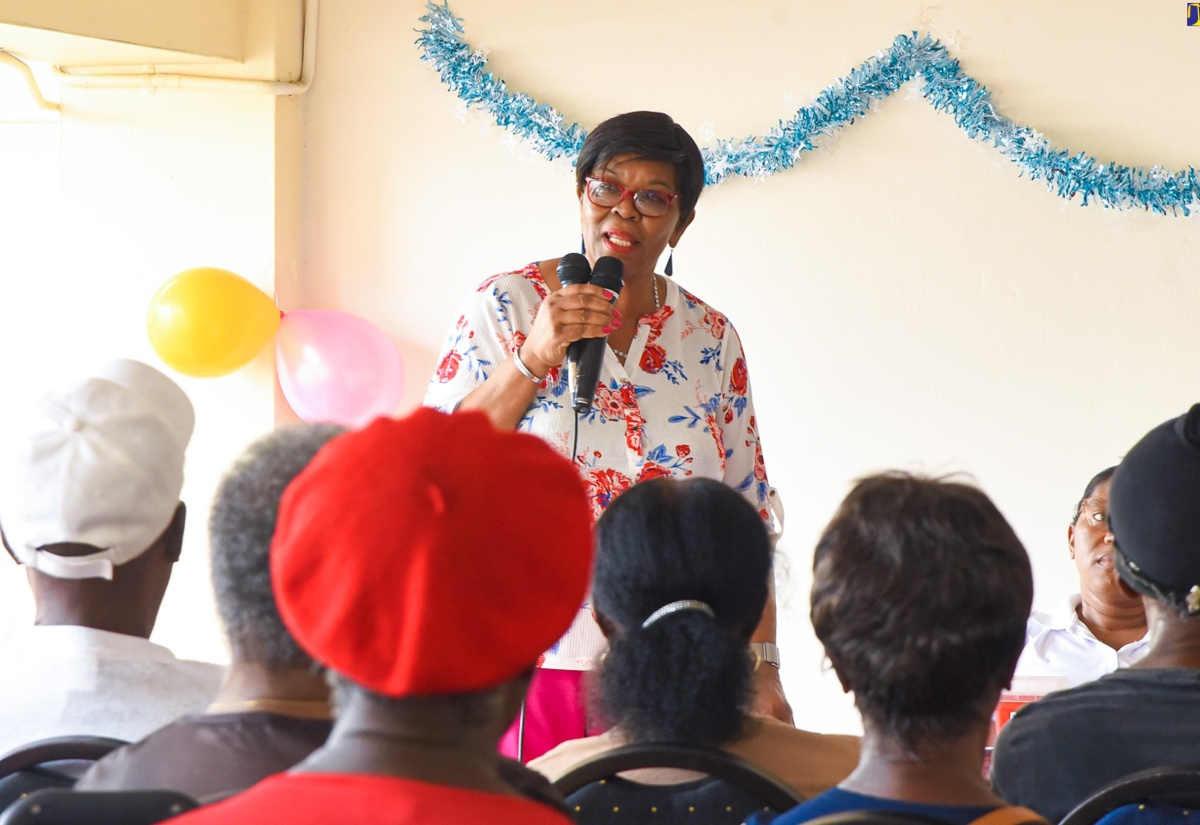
{"x": 207, "y": 322}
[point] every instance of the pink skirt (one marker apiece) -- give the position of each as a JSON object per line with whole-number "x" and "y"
{"x": 554, "y": 712}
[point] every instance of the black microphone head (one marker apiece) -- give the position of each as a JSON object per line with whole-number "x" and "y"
{"x": 574, "y": 269}
{"x": 609, "y": 273}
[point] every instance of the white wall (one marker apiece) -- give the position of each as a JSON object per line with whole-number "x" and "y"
{"x": 29, "y": 195}
{"x": 136, "y": 187}
{"x": 906, "y": 300}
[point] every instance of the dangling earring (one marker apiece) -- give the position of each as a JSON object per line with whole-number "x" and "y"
{"x": 670, "y": 270}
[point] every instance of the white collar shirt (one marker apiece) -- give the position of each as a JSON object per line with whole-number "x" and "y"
{"x": 1059, "y": 645}
{"x": 67, "y": 680}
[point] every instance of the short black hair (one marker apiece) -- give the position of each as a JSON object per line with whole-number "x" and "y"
{"x": 686, "y": 678}
{"x": 647, "y": 136}
{"x": 240, "y": 526}
{"x": 1088, "y": 491}
{"x": 921, "y": 592}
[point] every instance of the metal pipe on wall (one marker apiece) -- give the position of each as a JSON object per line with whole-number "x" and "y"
{"x": 157, "y": 80}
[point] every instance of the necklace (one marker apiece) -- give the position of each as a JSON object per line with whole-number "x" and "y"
{"x": 657, "y": 306}
{"x": 301, "y": 708}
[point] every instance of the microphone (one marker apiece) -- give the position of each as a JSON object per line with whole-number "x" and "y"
{"x": 585, "y": 356}
{"x": 573, "y": 268}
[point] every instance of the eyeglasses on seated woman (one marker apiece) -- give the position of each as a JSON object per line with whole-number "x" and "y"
{"x": 1095, "y": 631}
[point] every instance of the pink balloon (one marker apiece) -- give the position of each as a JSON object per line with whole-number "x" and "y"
{"x": 334, "y": 366}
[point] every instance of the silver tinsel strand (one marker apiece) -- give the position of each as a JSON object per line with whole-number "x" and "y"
{"x": 946, "y": 87}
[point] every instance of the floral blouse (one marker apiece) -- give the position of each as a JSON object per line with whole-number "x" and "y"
{"x": 680, "y": 405}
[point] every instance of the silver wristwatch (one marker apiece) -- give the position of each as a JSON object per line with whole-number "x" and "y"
{"x": 764, "y": 652}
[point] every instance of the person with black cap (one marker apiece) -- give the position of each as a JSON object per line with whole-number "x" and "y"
{"x": 429, "y": 593}
{"x": 1060, "y": 750}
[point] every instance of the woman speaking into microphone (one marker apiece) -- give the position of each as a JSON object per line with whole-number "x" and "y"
{"x": 672, "y": 397}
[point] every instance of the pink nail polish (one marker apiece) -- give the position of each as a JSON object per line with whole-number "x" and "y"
{"x": 607, "y": 330}
{"x": 609, "y": 295}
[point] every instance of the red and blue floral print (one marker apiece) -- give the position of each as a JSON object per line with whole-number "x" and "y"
{"x": 680, "y": 405}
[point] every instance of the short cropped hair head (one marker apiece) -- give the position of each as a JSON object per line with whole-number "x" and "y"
{"x": 921, "y": 591}
{"x": 646, "y": 136}
{"x": 241, "y": 524}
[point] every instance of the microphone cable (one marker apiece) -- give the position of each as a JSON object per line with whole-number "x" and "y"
{"x": 575, "y": 441}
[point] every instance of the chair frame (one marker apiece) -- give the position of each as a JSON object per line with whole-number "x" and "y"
{"x": 62, "y": 805}
{"x": 1136, "y": 787}
{"x": 702, "y": 759}
{"x": 57, "y": 749}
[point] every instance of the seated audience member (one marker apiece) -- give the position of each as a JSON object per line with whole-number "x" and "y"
{"x": 1057, "y": 752}
{"x": 1101, "y": 628}
{"x": 89, "y": 503}
{"x": 406, "y": 559}
{"x": 682, "y": 570}
{"x": 273, "y": 708}
{"x": 920, "y": 595}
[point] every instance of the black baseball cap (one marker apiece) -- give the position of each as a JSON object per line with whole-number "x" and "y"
{"x": 1154, "y": 513}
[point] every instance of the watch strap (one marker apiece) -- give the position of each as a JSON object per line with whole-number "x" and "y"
{"x": 765, "y": 652}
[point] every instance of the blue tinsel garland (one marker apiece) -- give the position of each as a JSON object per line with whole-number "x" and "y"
{"x": 946, "y": 86}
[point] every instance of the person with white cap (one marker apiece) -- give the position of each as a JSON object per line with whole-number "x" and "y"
{"x": 405, "y": 561}
{"x": 1058, "y": 751}
{"x": 89, "y": 504}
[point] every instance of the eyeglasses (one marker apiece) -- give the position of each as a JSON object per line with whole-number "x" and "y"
{"x": 653, "y": 203}
{"x": 1095, "y": 513}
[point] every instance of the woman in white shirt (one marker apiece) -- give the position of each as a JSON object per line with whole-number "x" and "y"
{"x": 1099, "y": 629}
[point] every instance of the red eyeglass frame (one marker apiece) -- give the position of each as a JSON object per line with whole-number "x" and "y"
{"x": 627, "y": 193}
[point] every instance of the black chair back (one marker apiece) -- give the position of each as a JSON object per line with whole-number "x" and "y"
{"x": 49, "y": 763}
{"x": 61, "y": 806}
{"x": 1174, "y": 785}
{"x": 732, "y": 790}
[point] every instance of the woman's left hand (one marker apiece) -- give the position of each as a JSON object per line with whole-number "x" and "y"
{"x": 768, "y": 695}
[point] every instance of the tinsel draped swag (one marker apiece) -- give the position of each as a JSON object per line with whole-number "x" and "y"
{"x": 945, "y": 85}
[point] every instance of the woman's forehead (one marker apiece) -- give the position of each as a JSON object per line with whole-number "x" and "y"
{"x": 630, "y": 166}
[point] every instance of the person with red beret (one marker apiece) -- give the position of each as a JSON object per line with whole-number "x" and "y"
{"x": 429, "y": 593}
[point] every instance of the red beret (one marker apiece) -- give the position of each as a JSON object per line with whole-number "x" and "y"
{"x": 432, "y": 554}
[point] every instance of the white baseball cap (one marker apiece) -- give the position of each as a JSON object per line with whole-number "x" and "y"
{"x": 98, "y": 462}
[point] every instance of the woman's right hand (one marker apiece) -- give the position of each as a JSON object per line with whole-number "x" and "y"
{"x": 566, "y": 315}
